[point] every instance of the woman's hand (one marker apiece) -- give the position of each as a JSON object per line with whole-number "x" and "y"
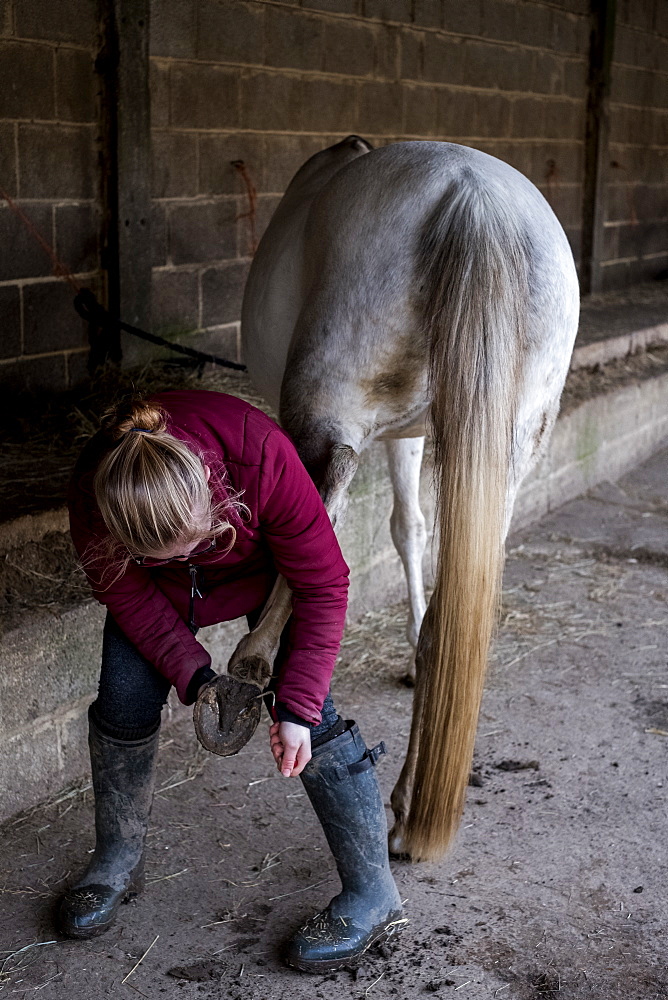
{"x": 291, "y": 747}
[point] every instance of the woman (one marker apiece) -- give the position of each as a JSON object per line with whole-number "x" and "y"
{"x": 183, "y": 509}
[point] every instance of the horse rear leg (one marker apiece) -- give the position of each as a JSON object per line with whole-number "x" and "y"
{"x": 401, "y": 794}
{"x": 408, "y": 528}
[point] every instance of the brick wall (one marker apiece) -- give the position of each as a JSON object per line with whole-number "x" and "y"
{"x": 49, "y": 164}
{"x": 636, "y": 228}
{"x": 271, "y": 83}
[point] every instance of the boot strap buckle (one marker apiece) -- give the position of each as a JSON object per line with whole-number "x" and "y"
{"x": 370, "y": 759}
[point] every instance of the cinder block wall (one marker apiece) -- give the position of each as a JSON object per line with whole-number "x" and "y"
{"x": 49, "y": 163}
{"x": 636, "y": 225}
{"x": 271, "y": 83}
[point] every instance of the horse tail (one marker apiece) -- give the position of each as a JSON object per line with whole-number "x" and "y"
{"x": 475, "y": 277}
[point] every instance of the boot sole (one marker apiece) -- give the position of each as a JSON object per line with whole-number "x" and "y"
{"x": 381, "y": 934}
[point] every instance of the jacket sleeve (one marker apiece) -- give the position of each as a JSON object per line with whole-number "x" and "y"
{"x": 306, "y": 552}
{"x": 139, "y": 607}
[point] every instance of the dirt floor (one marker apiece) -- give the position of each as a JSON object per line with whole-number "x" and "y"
{"x": 558, "y": 880}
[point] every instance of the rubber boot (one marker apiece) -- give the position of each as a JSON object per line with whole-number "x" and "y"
{"x": 123, "y": 780}
{"x": 340, "y": 780}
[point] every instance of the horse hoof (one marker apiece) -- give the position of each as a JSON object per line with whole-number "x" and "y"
{"x": 395, "y": 845}
{"x": 226, "y": 715}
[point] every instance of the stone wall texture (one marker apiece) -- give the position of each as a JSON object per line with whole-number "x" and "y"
{"x": 270, "y": 83}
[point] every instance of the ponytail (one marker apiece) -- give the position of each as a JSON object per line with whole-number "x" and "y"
{"x": 151, "y": 489}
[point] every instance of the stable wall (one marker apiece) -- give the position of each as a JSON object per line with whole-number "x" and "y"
{"x": 269, "y": 83}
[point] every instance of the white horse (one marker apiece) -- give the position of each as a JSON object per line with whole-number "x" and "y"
{"x": 422, "y": 281}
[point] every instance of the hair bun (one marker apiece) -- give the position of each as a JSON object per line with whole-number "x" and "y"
{"x": 133, "y": 414}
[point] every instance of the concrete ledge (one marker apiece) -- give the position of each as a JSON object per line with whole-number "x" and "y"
{"x": 599, "y": 440}
{"x": 599, "y": 352}
{"x": 51, "y": 662}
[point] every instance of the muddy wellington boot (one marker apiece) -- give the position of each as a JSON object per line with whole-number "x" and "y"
{"x": 123, "y": 780}
{"x": 340, "y": 780}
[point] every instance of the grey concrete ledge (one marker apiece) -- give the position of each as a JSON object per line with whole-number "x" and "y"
{"x": 599, "y": 352}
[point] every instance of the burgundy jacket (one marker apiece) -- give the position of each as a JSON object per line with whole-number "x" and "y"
{"x": 288, "y": 532}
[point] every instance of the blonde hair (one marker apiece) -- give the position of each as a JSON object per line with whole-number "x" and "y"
{"x": 151, "y": 489}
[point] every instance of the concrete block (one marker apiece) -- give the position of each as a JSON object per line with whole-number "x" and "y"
{"x": 532, "y": 24}
{"x": 428, "y": 13}
{"x": 76, "y": 86}
{"x": 272, "y": 102}
{"x": 174, "y": 165}
{"x": 159, "y": 235}
{"x": 498, "y": 21}
{"x": 10, "y": 310}
{"x": 637, "y": 13}
{"x": 456, "y": 110}
{"x": 348, "y": 48}
{"x": 72, "y": 732}
{"x": 173, "y": 28}
{"x": 29, "y": 768}
{"x": 561, "y": 162}
{"x": 204, "y": 96}
{"x": 496, "y": 66}
{"x": 575, "y": 72}
{"x": 492, "y": 115}
{"x": 229, "y": 31}
{"x": 216, "y": 155}
{"x": 65, "y": 21}
{"x": 411, "y": 54}
{"x": 222, "y": 292}
{"x": 661, "y": 20}
{"x": 159, "y": 88}
{"x": 333, "y": 6}
{"x": 220, "y": 340}
{"x": 57, "y": 161}
{"x": 203, "y": 231}
{"x": 19, "y": 63}
{"x": 294, "y": 40}
{"x": 330, "y": 106}
{"x": 26, "y": 259}
{"x": 380, "y": 108}
{"x": 548, "y": 117}
{"x": 392, "y": 46}
{"x": 420, "y": 112}
{"x": 174, "y": 303}
{"x": 6, "y": 17}
{"x": 78, "y": 230}
{"x": 8, "y": 158}
{"x": 49, "y": 320}
{"x": 388, "y": 10}
{"x": 38, "y": 676}
{"x": 463, "y": 18}
{"x": 570, "y": 34}
{"x": 545, "y": 71}
{"x": 36, "y": 374}
{"x": 444, "y": 60}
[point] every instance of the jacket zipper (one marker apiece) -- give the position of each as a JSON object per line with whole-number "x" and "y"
{"x": 194, "y": 592}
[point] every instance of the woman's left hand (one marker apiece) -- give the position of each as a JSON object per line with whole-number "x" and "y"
{"x": 291, "y": 747}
